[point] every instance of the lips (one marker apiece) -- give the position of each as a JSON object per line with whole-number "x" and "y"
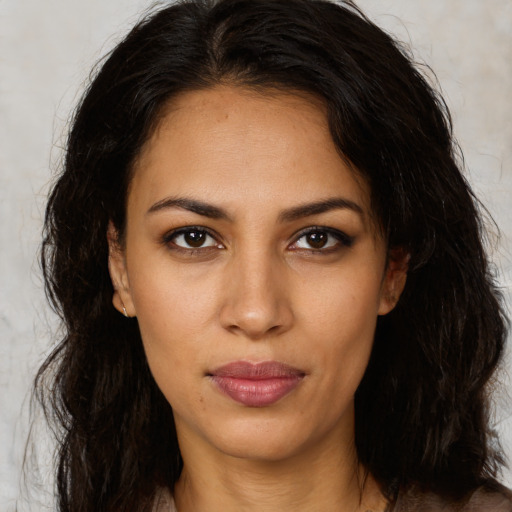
{"x": 256, "y": 385}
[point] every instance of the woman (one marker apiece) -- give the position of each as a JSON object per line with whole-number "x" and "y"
{"x": 268, "y": 193}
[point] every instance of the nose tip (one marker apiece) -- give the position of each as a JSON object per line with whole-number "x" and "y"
{"x": 256, "y": 304}
{"x": 257, "y": 322}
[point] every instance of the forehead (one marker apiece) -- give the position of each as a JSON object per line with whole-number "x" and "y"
{"x": 232, "y": 142}
{"x": 238, "y": 113}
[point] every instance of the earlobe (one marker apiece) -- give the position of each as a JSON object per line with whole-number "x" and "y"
{"x": 121, "y": 298}
{"x": 394, "y": 279}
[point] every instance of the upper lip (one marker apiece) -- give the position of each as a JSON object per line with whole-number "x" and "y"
{"x": 256, "y": 371}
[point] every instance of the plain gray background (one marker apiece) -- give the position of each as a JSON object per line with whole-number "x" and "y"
{"x": 46, "y": 51}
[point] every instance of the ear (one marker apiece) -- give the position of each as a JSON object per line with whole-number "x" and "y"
{"x": 122, "y": 298}
{"x": 394, "y": 279}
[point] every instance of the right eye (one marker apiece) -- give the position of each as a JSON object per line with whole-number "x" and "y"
{"x": 191, "y": 238}
{"x": 320, "y": 239}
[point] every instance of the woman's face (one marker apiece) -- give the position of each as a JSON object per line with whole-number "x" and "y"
{"x": 256, "y": 273}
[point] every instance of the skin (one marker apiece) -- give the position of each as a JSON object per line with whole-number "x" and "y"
{"x": 255, "y": 290}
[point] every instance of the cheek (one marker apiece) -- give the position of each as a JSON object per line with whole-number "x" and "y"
{"x": 173, "y": 314}
{"x": 340, "y": 323}
{"x": 169, "y": 299}
{"x": 170, "y": 331}
{"x": 345, "y": 303}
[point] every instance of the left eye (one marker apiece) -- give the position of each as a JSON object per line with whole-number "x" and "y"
{"x": 321, "y": 239}
{"x": 192, "y": 238}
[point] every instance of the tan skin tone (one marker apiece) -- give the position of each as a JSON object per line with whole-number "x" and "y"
{"x": 249, "y": 239}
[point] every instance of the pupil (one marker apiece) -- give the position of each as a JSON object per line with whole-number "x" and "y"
{"x": 317, "y": 240}
{"x": 195, "y": 238}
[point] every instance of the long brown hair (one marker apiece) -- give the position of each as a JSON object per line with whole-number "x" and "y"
{"x": 422, "y": 408}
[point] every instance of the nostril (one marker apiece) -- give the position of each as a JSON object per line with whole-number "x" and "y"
{"x": 255, "y": 308}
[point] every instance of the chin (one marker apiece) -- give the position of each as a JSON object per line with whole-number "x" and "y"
{"x": 270, "y": 440}
{"x": 261, "y": 448}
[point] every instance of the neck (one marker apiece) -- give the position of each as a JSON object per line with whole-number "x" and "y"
{"x": 328, "y": 479}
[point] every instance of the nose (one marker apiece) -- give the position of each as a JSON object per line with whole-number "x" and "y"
{"x": 257, "y": 302}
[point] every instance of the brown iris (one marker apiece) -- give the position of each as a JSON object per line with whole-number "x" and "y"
{"x": 194, "y": 238}
{"x": 317, "y": 239}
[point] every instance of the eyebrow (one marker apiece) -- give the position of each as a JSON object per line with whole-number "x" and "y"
{"x": 318, "y": 207}
{"x": 192, "y": 205}
{"x": 288, "y": 215}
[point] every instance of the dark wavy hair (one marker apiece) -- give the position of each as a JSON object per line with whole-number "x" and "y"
{"x": 422, "y": 409}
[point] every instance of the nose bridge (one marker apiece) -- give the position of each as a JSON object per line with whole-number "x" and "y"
{"x": 256, "y": 302}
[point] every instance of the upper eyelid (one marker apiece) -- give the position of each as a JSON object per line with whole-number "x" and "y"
{"x": 168, "y": 236}
{"x": 184, "y": 229}
{"x": 344, "y": 238}
{"x": 312, "y": 229}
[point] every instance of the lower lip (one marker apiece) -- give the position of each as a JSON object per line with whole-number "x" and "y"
{"x": 257, "y": 392}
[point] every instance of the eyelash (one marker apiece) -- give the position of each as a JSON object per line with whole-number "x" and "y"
{"x": 343, "y": 240}
{"x": 169, "y": 240}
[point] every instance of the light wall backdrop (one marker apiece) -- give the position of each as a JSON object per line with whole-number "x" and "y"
{"x": 46, "y": 52}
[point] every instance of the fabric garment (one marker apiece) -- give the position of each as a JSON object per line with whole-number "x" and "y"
{"x": 164, "y": 502}
{"x": 482, "y": 500}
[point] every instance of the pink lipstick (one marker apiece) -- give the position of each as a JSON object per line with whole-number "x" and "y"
{"x": 256, "y": 384}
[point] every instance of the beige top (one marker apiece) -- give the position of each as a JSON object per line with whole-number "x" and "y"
{"x": 164, "y": 502}
{"x": 481, "y": 500}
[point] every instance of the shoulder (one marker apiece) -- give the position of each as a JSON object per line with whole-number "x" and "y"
{"x": 164, "y": 502}
{"x": 483, "y": 499}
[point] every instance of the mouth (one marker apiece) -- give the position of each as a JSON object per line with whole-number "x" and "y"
{"x": 256, "y": 384}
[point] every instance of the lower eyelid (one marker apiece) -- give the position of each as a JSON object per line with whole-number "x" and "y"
{"x": 169, "y": 238}
{"x": 343, "y": 239}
